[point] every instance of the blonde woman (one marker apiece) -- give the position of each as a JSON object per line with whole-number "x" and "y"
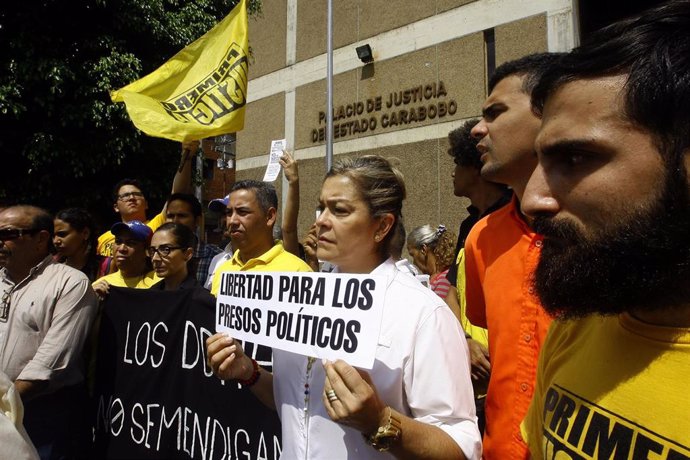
{"x": 433, "y": 251}
{"x": 416, "y": 401}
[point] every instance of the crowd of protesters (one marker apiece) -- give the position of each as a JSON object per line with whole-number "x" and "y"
{"x": 556, "y": 324}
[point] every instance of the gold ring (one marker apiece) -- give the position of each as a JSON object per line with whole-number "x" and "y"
{"x": 330, "y": 394}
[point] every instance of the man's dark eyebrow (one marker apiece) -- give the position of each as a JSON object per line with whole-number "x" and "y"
{"x": 491, "y": 109}
{"x": 565, "y": 146}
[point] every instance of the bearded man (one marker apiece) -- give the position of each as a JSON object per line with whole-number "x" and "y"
{"x": 611, "y": 197}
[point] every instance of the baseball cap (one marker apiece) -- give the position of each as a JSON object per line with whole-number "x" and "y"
{"x": 219, "y": 204}
{"x": 138, "y": 229}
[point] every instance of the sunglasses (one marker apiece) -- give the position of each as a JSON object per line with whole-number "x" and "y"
{"x": 8, "y": 234}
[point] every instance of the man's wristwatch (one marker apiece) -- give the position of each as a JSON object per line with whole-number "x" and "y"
{"x": 386, "y": 435}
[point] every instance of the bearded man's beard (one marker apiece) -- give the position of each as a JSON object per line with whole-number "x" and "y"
{"x": 640, "y": 261}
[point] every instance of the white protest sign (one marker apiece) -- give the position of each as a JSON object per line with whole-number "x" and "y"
{"x": 273, "y": 167}
{"x": 326, "y": 315}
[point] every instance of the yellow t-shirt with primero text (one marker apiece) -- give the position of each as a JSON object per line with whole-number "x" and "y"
{"x": 611, "y": 388}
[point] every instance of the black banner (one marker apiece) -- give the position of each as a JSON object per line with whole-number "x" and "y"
{"x": 155, "y": 396}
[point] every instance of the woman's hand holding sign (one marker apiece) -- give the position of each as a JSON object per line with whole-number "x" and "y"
{"x": 350, "y": 397}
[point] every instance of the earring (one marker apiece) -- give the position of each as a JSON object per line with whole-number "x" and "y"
{"x": 377, "y": 238}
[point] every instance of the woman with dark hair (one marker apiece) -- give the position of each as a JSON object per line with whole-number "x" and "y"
{"x": 417, "y": 400}
{"x": 171, "y": 249}
{"x": 75, "y": 242}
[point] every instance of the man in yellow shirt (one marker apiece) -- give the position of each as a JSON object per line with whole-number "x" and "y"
{"x": 251, "y": 212}
{"x": 250, "y": 217}
{"x": 611, "y": 196}
{"x": 130, "y": 202}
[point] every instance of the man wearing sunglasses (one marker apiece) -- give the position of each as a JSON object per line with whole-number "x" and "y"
{"x": 129, "y": 200}
{"x": 131, "y": 240}
{"x": 46, "y": 312}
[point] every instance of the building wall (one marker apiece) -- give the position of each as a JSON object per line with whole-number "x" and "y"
{"x": 429, "y": 63}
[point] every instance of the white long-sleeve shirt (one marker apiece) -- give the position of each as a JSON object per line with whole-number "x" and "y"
{"x": 422, "y": 370}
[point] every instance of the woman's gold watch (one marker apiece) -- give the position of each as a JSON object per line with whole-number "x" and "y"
{"x": 386, "y": 435}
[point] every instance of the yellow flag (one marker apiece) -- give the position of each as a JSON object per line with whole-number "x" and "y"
{"x": 201, "y": 91}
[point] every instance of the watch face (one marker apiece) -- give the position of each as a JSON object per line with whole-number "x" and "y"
{"x": 386, "y": 435}
{"x": 382, "y": 445}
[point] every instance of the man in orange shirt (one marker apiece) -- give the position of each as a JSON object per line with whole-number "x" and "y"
{"x": 501, "y": 252}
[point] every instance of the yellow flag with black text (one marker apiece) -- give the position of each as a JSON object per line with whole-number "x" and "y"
{"x": 201, "y": 91}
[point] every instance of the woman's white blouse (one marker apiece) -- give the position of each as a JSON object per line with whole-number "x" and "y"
{"x": 422, "y": 369}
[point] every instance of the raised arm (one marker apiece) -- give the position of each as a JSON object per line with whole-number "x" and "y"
{"x": 289, "y": 225}
{"x": 310, "y": 242}
{"x": 182, "y": 182}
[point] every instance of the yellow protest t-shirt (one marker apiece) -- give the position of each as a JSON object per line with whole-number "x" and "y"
{"x": 136, "y": 282}
{"x": 106, "y": 242}
{"x": 275, "y": 259}
{"x": 611, "y": 387}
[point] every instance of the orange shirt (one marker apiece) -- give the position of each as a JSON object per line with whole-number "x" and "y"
{"x": 501, "y": 253}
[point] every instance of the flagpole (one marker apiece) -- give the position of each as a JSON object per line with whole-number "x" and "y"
{"x": 329, "y": 87}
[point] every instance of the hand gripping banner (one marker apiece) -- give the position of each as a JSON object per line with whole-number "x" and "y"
{"x": 155, "y": 397}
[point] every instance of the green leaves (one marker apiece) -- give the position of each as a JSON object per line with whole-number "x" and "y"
{"x": 64, "y": 141}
